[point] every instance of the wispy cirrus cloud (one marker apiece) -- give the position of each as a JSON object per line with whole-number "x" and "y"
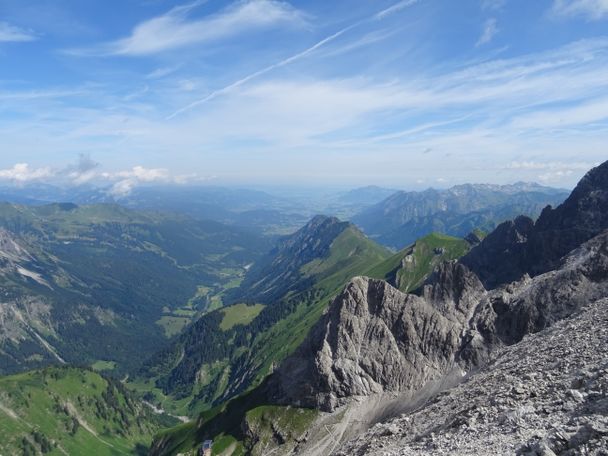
{"x": 552, "y": 172}
{"x": 590, "y": 9}
{"x": 162, "y": 72}
{"x": 177, "y": 29}
{"x": 237, "y": 84}
{"x": 493, "y": 4}
{"x": 581, "y": 114}
{"x": 490, "y": 29}
{"x": 399, "y": 6}
{"x": 11, "y": 33}
{"x": 550, "y": 165}
{"x": 355, "y": 97}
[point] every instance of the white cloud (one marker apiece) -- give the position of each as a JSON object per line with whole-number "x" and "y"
{"x": 141, "y": 174}
{"x": 83, "y": 171}
{"x": 22, "y": 172}
{"x": 553, "y": 166}
{"x": 175, "y": 29}
{"x": 493, "y": 4}
{"x": 162, "y": 72}
{"x": 126, "y": 181}
{"x": 11, "y": 33}
{"x": 86, "y": 170}
{"x": 590, "y": 9}
{"x": 554, "y": 172}
{"x": 490, "y": 29}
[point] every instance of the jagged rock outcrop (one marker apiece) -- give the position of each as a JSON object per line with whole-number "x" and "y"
{"x": 521, "y": 246}
{"x": 376, "y": 339}
{"x": 546, "y": 396}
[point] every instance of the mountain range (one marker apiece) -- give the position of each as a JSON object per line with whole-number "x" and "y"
{"x": 391, "y": 217}
{"x": 379, "y": 355}
{"x": 291, "y": 344}
{"x": 404, "y": 217}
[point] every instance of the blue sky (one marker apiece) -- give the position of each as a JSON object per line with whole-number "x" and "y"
{"x": 345, "y": 92}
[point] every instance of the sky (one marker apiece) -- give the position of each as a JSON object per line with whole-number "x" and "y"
{"x": 400, "y": 93}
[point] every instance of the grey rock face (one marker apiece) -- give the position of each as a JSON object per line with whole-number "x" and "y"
{"x": 524, "y": 278}
{"x": 545, "y": 396}
{"x": 375, "y": 338}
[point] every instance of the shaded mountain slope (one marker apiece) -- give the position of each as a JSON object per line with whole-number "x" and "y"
{"x": 280, "y": 272}
{"x": 71, "y": 276}
{"x": 410, "y": 267}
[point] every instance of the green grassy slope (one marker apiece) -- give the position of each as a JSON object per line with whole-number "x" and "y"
{"x": 210, "y": 363}
{"x": 408, "y": 268}
{"x": 72, "y": 411}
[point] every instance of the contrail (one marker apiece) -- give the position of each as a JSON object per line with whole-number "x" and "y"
{"x": 248, "y": 78}
{"x": 394, "y": 9}
{"x": 216, "y": 93}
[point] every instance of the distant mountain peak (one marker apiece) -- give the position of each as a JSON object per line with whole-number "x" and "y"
{"x": 274, "y": 275}
{"x": 320, "y": 220}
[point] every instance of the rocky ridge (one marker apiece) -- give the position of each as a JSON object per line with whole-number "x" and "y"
{"x": 377, "y": 339}
{"x": 378, "y": 353}
{"x": 545, "y": 396}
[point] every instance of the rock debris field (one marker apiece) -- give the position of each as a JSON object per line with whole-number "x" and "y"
{"x": 544, "y": 396}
